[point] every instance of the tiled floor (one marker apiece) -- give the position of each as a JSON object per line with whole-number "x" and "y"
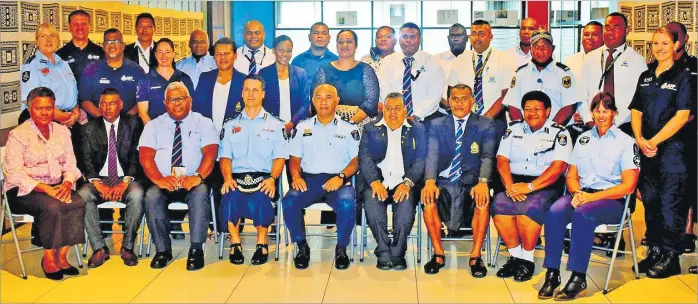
{"x": 274, "y": 282}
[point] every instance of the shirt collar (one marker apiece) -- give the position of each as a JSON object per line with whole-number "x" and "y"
{"x": 484, "y": 54}
{"x": 138, "y": 44}
{"x": 456, "y": 119}
{"x": 619, "y": 49}
{"x": 247, "y": 51}
{"x": 417, "y": 56}
{"x": 171, "y": 121}
{"x": 36, "y": 129}
{"x": 336, "y": 120}
{"x": 262, "y": 115}
{"x": 383, "y": 123}
{"x": 41, "y": 56}
{"x": 309, "y": 53}
{"x": 527, "y": 128}
{"x": 611, "y": 132}
{"x": 116, "y": 123}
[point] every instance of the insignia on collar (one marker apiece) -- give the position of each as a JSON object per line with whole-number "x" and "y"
{"x": 513, "y": 82}
{"x": 25, "y": 76}
{"x": 507, "y": 133}
{"x": 474, "y": 148}
{"x": 355, "y": 135}
{"x": 562, "y": 139}
{"x": 584, "y": 140}
{"x": 308, "y": 132}
{"x": 566, "y": 82}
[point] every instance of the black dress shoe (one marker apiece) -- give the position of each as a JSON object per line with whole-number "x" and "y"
{"x": 654, "y": 253}
{"x": 693, "y": 269}
{"x": 509, "y": 268}
{"x": 195, "y": 260}
{"x": 524, "y": 271}
{"x": 341, "y": 259}
{"x": 611, "y": 243}
{"x": 161, "y": 259}
{"x": 667, "y": 266}
{"x": 236, "y": 257}
{"x": 478, "y": 270}
{"x": 383, "y": 265}
{"x": 302, "y": 258}
{"x": 399, "y": 263}
{"x": 259, "y": 257}
{"x": 689, "y": 243}
{"x": 432, "y": 267}
{"x": 575, "y": 287}
{"x": 56, "y": 276}
{"x": 552, "y": 282}
{"x": 71, "y": 271}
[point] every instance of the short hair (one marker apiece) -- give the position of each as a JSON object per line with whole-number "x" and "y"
{"x": 79, "y": 12}
{"x": 392, "y": 30}
{"x": 603, "y": 98}
{"x": 144, "y": 15}
{"x": 622, "y": 16}
{"x": 394, "y": 95}
{"x": 353, "y": 34}
{"x": 281, "y": 39}
{"x": 457, "y": 26}
{"x": 681, "y": 25}
{"x": 258, "y": 78}
{"x": 664, "y": 30}
{"x": 111, "y": 31}
{"x": 49, "y": 27}
{"x": 594, "y": 22}
{"x": 318, "y": 23}
{"x": 110, "y": 91}
{"x": 223, "y": 41}
{"x": 481, "y": 22}
{"x": 411, "y": 25}
{"x": 40, "y": 92}
{"x": 536, "y": 95}
{"x": 175, "y": 86}
{"x": 460, "y": 86}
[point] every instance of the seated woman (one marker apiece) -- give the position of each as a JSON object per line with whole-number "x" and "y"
{"x": 40, "y": 169}
{"x": 604, "y": 167}
{"x": 531, "y": 159}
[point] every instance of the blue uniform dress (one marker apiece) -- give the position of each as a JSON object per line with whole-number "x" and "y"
{"x": 599, "y": 161}
{"x": 325, "y": 150}
{"x": 311, "y": 63}
{"x": 38, "y": 71}
{"x": 529, "y": 154}
{"x": 151, "y": 89}
{"x": 194, "y": 68}
{"x": 99, "y": 76}
{"x": 252, "y": 144}
{"x": 300, "y": 92}
{"x": 663, "y": 180}
{"x": 79, "y": 59}
{"x": 355, "y": 87}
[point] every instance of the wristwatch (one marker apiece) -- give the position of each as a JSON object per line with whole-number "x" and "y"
{"x": 483, "y": 180}
{"x": 342, "y": 176}
{"x": 530, "y": 187}
{"x": 407, "y": 182}
{"x": 128, "y": 179}
{"x": 198, "y": 175}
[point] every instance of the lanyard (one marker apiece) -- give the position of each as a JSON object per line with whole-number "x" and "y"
{"x": 484, "y": 64}
{"x": 610, "y": 66}
{"x": 264, "y": 54}
{"x": 147, "y": 62}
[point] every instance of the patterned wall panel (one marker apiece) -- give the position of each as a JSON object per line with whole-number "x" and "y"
{"x": 30, "y": 16}
{"x": 9, "y": 16}
{"x": 158, "y": 26}
{"x": 65, "y": 12}
{"x": 28, "y": 50}
{"x": 167, "y": 26}
{"x": 653, "y": 18}
{"x": 51, "y": 14}
{"x": 10, "y": 96}
{"x": 190, "y": 25}
{"x": 628, "y": 12}
{"x": 686, "y": 13}
{"x": 92, "y": 13}
{"x": 128, "y": 29}
{"x": 175, "y": 26}
{"x": 101, "y": 18}
{"x": 9, "y": 56}
{"x": 639, "y": 46}
{"x": 639, "y": 18}
{"x": 116, "y": 20}
{"x": 668, "y": 13}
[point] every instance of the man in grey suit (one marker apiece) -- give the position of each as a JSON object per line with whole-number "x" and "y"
{"x": 460, "y": 160}
{"x": 391, "y": 159}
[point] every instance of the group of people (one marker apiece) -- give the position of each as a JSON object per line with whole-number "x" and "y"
{"x": 227, "y": 124}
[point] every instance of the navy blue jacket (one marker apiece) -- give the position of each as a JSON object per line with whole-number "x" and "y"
{"x": 300, "y": 92}
{"x": 203, "y": 94}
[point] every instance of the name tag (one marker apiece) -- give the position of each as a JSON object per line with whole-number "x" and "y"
{"x": 518, "y": 137}
{"x": 267, "y": 130}
{"x": 339, "y": 136}
{"x": 104, "y": 80}
{"x": 155, "y": 87}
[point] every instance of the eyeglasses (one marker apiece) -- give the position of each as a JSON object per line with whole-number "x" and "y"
{"x": 113, "y": 42}
{"x": 176, "y": 100}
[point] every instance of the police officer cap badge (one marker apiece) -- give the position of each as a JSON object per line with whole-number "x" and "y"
{"x": 584, "y": 140}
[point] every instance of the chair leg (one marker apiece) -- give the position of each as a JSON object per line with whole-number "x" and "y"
{"x": 353, "y": 238}
{"x": 221, "y": 244}
{"x": 619, "y": 235}
{"x": 488, "y": 250}
{"x": 419, "y": 234}
{"x": 77, "y": 255}
{"x": 6, "y": 211}
{"x": 496, "y": 251}
{"x": 277, "y": 231}
{"x": 362, "y": 244}
{"x": 141, "y": 236}
{"x": 632, "y": 244}
{"x": 215, "y": 221}
{"x": 150, "y": 240}
{"x": 84, "y": 246}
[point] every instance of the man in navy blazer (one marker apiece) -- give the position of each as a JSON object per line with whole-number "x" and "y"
{"x": 392, "y": 153}
{"x": 460, "y": 161}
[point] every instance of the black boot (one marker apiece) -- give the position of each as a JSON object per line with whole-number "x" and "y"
{"x": 667, "y": 266}
{"x": 341, "y": 259}
{"x": 575, "y": 287}
{"x": 509, "y": 268}
{"x": 302, "y": 258}
{"x": 552, "y": 282}
{"x": 693, "y": 269}
{"x": 653, "y": 256}
{"x": 524, "y": 271}
{"x": 689, "y": 243}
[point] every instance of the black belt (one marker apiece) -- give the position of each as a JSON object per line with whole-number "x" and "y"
{"x": 249, "y": 182}
{"x": 590, "y": 190}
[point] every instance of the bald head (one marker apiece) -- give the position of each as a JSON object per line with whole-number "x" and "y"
{"x": 528, "y": 27}
{"x": 198, "y": 43}
{"x": 254, "y": 34}
{"x": 325, "y": 100}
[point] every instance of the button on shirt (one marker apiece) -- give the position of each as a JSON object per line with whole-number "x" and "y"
{"x": 311, "y": 63}
{"x": 263, "y": 58}
{"x": 324, "y": 148}
{"x": 446, "y": 172}
{"x": 253, "y": 143}
{"x": 79, "y": 59}
{"x": 522, "y": 147}
{"x": 38, "y": 71}
{"x": 392, "y": 166}
{"x": 557, "y": 82}
{"x": 601, "y": 159}
{"x": 151, "y": 90}
{"x": 99, "y": 76}
{"x": 144, "y": 56}
{"x": 194, "y": 69}
{"x": 428, "y": 80}
{"x": 496, "y": 75}
{"x": 105, "y": 170}
{"x": 197, "y": 132}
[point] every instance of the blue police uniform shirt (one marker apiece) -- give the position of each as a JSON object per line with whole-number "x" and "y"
{"x": 194, "y": 69}
{"x": 530, "y": 153}
{"x": 311, "y": 63}
{"x": 197, "y": 132}
{"x": 99, "y": 76}
{"x": 79, "y": 59}
{"x": 38, "y": 71}
{"x": 556, "y": 80}
{"x": 324, "y": 149}
{"x": 253, "y": 143}
{"x": 151, "y": 89}
{"x": 601, "y": 159}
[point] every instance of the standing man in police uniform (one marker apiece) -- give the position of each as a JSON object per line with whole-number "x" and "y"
{"x": 457, "y": 40}
{"x": 254, "y": 55}
{"x": 252, "y": 156}
{"x": 80, "y": 51}
{"x": 200, "y": 60}
{"x": 143, "y": 50}
{"x": 323, "y": 157}
{"x": 542, "y": 73}
{"x": 114, "y": 72}
{"x": 521, "y": 53}
{"x": 318, "y": 54}
{"x": 177, "y": 151}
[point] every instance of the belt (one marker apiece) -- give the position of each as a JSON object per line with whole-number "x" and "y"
{"x": 590, "y": 190}
{"x": 250, "y": 181}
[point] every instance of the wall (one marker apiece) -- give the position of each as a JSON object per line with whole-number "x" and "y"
{"x": 262, "y": 11}
{"x": 21, "y": 18}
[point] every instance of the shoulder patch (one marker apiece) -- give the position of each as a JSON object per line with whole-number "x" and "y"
{"x": 514, "y": 122}
{"x": 25, "y": 76}
{"x": 355, "y": 134}
{"x": 29, "y": 59}
{"x": 566, "y": 82}
{"x": 521, "y": 67}
{"x": 562, "y": 139}
{"x": 584, "y": 140}
{"x": 507, "y": 133}
{"x": 562, "y": 66}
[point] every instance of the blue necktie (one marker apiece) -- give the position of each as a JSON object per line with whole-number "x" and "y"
{"x": 253, "y": 63}
{"x": 455, "y": 172}
{"x": 479, "y": 103}
{"x": 177, "y": 146}
{"x": 407, "y": 84}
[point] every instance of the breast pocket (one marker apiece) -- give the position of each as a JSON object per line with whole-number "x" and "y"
{"x": 339, "y": 147}
{"x": 519, "y": 151}
{"x": 554, "y": 90}
{"x": 584, "y": 162}
{"x": 608, "y": 163}
{"x": 264, "y": 145}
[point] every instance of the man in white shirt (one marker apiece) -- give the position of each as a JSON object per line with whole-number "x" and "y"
{"x": 254, "y": 55}
{"x": 142, "y": 51}
{"x": 521, "y": 53}
{"x": 457, "y": 40}
{"x": 418, "y": 75}
{"x": 200, "y": 60}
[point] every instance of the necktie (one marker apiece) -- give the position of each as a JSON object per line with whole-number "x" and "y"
{"x": 407, "y": 84}
{"x": 113, "y": 172}
{"x": 479, "y": 103}
{"x": 177, "y": 146}
{"x": 253, "y": 63}
{"x": 608, "y": 78}
{"x": 455, "y": 172}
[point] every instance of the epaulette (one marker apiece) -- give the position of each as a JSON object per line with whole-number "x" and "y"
{"x": 515, "y": 122}
{"x": 29, "y": 59}
{"x": 521, "y": 67}
{"x": 272, "y": 116}
{"x": 554, "y": 125}
{"x": 304, "y": 120}
{"x": 562, "y": 66}
{"x": 178, "y": 61}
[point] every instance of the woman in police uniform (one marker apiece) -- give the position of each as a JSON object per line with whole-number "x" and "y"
{"x": 660, "y": 110}
{"x": 603, "y": 168}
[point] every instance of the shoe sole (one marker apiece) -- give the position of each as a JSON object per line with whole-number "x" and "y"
{"x": 549, "y": 297}
{"x": 580, "y": 295}
{"x": 95, "y": 266}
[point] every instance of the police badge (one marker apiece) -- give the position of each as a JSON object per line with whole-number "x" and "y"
{"x": 474, "y": 148}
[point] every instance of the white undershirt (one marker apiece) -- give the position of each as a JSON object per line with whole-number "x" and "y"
{"x": 220, "y": 101}
{"x": 392, "y": 165}
{"x": 285, "y": 100}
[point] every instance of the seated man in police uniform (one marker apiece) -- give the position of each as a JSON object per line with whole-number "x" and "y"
{"x": 252, "y": 156}
{"x": 460, "y": 160}
{"x": 391, "y": 159}
{"x": 177, "y": 152}
{"x": 531, "y": 161}
{"x": 323, "y": 157}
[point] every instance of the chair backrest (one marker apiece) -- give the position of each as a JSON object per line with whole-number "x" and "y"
{"x": 112, "y": 205}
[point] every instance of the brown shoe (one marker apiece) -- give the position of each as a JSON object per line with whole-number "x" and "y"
{"x": 129, "y": 257}
{"x": 98, "y": 257}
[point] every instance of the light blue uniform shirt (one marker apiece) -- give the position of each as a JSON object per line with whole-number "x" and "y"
{"x": 530, "y": 153}
{"x": 325, "y": 149}
{"x": 38, "y": 71}
{"x": 197, "y": 132}
{"x": 253, "y": 143}
{"x": 194, "y": 69}
{"x": 600, "y": 160}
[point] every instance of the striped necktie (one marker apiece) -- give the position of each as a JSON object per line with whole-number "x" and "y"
{"x": 253, "y": 63}
{"x": 455, "y": 172}
{"x": 407, "y": 84}
{"x": 177, "y": 146}
{"x": 479, "y": 103}
{"x": 112, "y": 171}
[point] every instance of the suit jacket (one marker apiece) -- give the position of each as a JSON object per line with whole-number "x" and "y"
{"x": 95, "y": 145}
{"x": 203, "y": 94}
{"x": 300, "y": 92}
{"x": 131, "y": 53}
{"x": 478, "y": 148}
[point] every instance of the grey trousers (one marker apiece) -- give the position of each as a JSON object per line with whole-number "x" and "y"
{"x": 403, "y": 220}
{"x": 132, "y": 198}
